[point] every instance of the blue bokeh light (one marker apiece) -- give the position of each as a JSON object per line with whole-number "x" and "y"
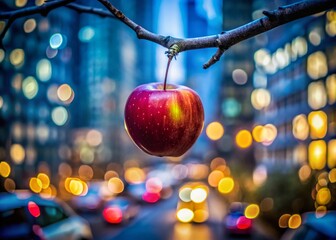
{"x": 56, "y": 41}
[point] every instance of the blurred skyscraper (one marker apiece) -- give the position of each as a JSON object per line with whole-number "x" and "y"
{"x": 112, "y": 63}
{"x": 37, "y": 82}
{"x": 65, "y": 79}
{"x": 295, "y": 90}
{"x": 236, "y": 85}
{"x": 201, "y": 19}
{"x": 63, "y": 84}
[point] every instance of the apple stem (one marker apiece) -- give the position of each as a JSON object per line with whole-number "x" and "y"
{"x": 165, "y": 79}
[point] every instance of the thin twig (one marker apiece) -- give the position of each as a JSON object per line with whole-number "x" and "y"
{"x": 215, "y": 58}
{"x": 85, "y": 9}
{"x": 44, "y": 9}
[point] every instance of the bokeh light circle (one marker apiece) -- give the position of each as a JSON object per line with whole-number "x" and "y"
{"x": 59, "y": 115}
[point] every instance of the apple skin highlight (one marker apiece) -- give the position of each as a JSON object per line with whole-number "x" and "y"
{"x": 164, "y": 122}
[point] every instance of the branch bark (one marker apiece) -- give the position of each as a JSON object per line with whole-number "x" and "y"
{"x": 227, "y": 39}
{"x": 85, "y": 9}
{"x": 175, "y": 45}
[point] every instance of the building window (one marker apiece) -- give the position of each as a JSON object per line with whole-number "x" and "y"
{"x": 317, "y": 65}
{"x": 317, "y": 95}
{"x": 317, "y": 154}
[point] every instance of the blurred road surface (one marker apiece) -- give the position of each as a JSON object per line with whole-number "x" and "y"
{"x": 158, "y": 222}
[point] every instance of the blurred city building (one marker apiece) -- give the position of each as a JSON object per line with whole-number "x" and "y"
{"x": 63, "y": 83}
{"x": 65, "y": 78}
{"x": 234, "y": 108}
{"x": 37, "y": 88}
{"x": 112, "y": 63}
{"x": 294, "y": 93}
{"x": 203, "y": 18}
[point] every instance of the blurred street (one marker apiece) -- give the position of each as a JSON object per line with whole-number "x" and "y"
{"x": 158, "y": 222}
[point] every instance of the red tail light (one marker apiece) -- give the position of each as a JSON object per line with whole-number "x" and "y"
{"x": 34, "y": 209}
{"x": 243, "y": 223}
{"x": 151, "y": 197}
{"x": 112, "y": 215}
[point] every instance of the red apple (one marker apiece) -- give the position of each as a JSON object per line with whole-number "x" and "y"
{"x": 164, "y": 122}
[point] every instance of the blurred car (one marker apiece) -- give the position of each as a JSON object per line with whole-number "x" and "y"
{"x": 140, "y": 193}
{"x": 24, "y": 215}
{"x": 314, "y": 227}
{"x": 94, "y": 199}
{"x": 120, "y": 210}
{"x": 192, "y": 203}
{"x": 235, "y": 222}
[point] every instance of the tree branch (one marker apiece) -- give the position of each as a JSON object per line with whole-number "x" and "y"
{"x": 44, "y": 9}
{"x": 215, "y": 58}
{"x": 85, "y": 9}
{"x": 175, "y": 45}
{"x": 227, "y": 39}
